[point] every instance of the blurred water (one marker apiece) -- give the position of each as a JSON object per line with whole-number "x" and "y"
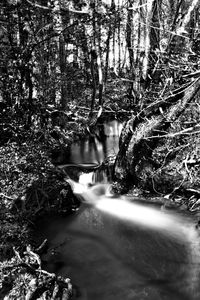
{"x": 88, "y": 153}
{"x": 117, "y": 249}
{"x": 98, "y": 146}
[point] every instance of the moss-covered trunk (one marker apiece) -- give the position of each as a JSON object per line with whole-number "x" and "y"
{"x": 143, "y": 134}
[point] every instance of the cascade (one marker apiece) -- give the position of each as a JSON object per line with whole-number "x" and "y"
{"x": 127, "y": 209}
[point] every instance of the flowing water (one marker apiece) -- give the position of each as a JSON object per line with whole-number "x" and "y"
{"x": 111, "y": 258}
{"x": 92, "y": 152}
{"x": 119, "y": 249}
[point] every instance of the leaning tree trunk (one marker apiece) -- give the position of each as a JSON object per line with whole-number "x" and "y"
{"x": 180, "y": 28}
{"x": 142, "y": 134}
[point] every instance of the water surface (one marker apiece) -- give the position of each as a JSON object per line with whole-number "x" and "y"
{"x": 111, "y": 259}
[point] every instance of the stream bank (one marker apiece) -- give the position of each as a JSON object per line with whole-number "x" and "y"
{"x": 31, "y": 187}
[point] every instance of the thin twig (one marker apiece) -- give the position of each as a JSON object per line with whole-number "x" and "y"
{"x": 171, "y": 135}
{"x": 8, "y": 197}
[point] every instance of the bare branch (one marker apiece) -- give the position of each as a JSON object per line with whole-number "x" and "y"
{"x": 187, "y": 131}
{"x": 38, "y": 5}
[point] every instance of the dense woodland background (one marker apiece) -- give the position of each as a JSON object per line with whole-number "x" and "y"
{"x": 69, "y": 55}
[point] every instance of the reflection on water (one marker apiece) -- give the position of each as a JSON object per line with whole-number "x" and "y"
{"x": 97, "y": 147}
{"x": 112, "y": 259}
{"x": 91, "y": 152}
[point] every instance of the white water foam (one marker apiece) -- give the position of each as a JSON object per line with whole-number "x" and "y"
{"x": 143, "y": 215}
{"x": 168, "y": 223}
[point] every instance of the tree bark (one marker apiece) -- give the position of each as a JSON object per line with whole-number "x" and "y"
{"x": 108, "y": 40}
{"x": 141, "y": 134}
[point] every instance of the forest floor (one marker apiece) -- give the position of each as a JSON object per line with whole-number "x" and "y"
{"x": 30, "y": 187}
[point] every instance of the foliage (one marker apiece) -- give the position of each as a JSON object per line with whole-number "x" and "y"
{"x": 29, "y": 185}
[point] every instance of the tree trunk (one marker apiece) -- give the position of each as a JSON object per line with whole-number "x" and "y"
{"x": 119, "y": 40}
{"x": 141, "y": 134}
{"x": 99, "y": 61}
{"x": 114, "y": 22}
{"x": 108, "y": 40}
{"x": 129, "y": 27}
{"x": 129, "y": 42}
{"x": 58, "y": 28}
{"x": 148, "y": 38}
{"x": 94, "y": 86}
{"x": 63, "y": 70}
{"x": 180, "y": 27}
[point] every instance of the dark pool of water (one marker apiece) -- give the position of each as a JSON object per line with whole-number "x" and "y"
{"x": 111, "y": 259}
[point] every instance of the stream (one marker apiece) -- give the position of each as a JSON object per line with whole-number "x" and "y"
{"x": 117, "y": 248}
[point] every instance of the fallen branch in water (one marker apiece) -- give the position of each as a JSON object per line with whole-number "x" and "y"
{"x": 42, "y": 247}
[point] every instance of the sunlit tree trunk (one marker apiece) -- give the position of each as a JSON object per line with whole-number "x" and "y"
{"x": 58, "y": 28}
{"x": 114, "y": 37}
{"x": 108, "y": 40}
{"x": 179, "y": 30}
{"x": 93, "y": 55}
{"x": 129, "y": 29}
{"x": 146, "y": 61}
{"x": 139, "y": 50}
{"x": 85, "y": 50}
{"x": 99, "y": 58}
{"x": 94, "y": 86}
{"x": 119, "y": 37}
{"x": 129, "y": 42}
{"x": 107, "y": 52}
{"x": 186, "y": 19}
{"x": 96, "y": 59}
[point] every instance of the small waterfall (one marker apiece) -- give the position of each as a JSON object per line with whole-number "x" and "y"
{"x": 126, "y": 209}
{"x": 98, "y": 176}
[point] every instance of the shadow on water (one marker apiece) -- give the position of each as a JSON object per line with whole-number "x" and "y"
{"x": 115, "y": 254}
